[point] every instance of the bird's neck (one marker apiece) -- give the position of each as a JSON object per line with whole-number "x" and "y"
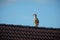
{"x": 35, "y": 17}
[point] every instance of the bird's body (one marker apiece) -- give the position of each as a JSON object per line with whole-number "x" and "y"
{"x": 36, "y": 21}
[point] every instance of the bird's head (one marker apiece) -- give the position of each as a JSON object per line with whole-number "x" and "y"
{"x": 34, "y": 14}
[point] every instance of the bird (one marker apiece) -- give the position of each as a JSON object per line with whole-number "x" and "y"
{"x": 36, "y": 20}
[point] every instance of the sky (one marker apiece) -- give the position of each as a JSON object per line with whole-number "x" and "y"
{"x": 20, "y": 12}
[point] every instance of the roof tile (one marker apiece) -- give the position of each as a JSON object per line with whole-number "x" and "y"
{"x": 18, "y": 32}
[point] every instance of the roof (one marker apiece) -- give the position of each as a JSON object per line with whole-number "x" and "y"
{"x": 20, "y": 32}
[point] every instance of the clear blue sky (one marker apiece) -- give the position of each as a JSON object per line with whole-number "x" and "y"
{"x": 20, "y": 12}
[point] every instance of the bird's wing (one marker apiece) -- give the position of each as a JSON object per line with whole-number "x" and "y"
{"x": 36, "y": 20}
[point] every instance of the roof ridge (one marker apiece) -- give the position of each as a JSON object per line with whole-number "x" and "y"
{"x": 28, "y": 26}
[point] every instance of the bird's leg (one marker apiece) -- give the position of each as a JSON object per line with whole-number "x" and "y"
{"x": 37, "y": 24}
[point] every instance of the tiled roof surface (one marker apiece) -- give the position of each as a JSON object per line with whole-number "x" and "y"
{"x": 18, "y": 32}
